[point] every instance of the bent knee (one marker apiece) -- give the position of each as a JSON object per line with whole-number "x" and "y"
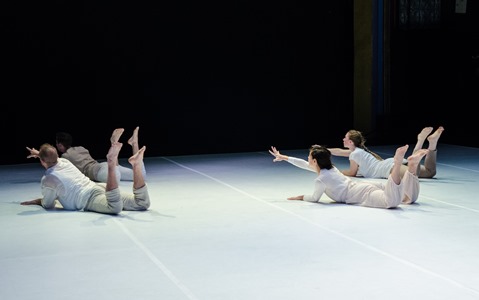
{"x": 427, "y": 173}
{"x": 144, "y": 204}
{"x": 392, "y": 205}
{"x": 115, "y": 208}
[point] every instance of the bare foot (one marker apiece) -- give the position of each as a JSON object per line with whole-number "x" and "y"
{"x": 114, "y": 151}
{"x": 400, "y": 152}
{"x": 134, "y": 138}
{"x": 424, "y": 133}
{"x": 137, "y": 158}
{"x": 436, "y": 135}
{"x": 416, "y": 157}
{"x": 115, "y": 136}
{"x": 434, "y": 138}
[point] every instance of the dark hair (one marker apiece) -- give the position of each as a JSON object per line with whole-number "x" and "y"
{"x": 65, "y": 139}
{"x": 322, "y": 156}
{"x": 359, "y": 141}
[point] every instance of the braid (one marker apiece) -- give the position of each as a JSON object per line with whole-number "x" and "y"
{"x": 372, "y": 153}
{"x": 359, "y": 141}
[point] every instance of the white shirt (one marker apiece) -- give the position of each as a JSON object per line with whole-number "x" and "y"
{"x": 341, "y": 188}
{"x": 65, "y": 183}
{"x": 370, "y": 166}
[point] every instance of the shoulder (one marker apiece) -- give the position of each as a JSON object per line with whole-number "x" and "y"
{"x": 63, "y": 160}
{"x": 64, "y": 163}
{"x": 328, "y": 173}
{"x": 75, "y": 151}
{"x": 77, "y": 148}
{"x": 357, "y": 152}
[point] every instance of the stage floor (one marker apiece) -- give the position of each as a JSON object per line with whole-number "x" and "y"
{"x": 220, "y": 227}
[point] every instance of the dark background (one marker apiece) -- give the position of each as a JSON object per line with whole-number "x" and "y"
{"x": 222, "y": 76}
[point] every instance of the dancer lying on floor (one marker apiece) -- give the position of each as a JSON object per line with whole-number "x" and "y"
{"x": 65, "y": 183}
{"x": 95, "y": 170}
{"x": 341, "y": 188}
{"x": 365, "y": 163}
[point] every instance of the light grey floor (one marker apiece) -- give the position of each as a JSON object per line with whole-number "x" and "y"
{"x": 220, "y": 228}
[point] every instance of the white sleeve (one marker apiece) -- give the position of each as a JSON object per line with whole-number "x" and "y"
{"x": 300, "y": 163}
{"x": 319, "y": 189}
{"x": 49, "y": 197}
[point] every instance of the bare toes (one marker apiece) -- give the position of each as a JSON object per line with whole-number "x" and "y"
{"x": 424, "y": 133}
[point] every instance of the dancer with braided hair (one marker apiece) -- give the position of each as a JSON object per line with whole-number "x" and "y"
{"x": 365, "y": 163}
{"x": 343, "y": 189}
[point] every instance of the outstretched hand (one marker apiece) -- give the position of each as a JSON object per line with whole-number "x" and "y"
{"x": 301, "y": 197}
{"x": 33, "y": 152}
{"x": 32, "y": 202}
{"x": 277, "y": 156}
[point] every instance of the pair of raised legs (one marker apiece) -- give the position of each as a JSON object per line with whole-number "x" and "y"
{"x": 136, "y": 160}
{"x": 413, "y": 161}
{"x": 431, "y": 138}
{"x": 407, "y": 175}
{"x": 133, "y": 141}
{"x": 428, "y": 169}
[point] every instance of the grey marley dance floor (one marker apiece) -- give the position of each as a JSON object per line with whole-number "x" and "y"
{"x": 220, "y": 228}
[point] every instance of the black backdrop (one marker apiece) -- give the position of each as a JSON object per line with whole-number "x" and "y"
{"x": 219, "y": 76}
{"x": 197, "y": 77}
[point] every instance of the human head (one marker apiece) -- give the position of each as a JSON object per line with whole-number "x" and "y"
{"x": 63, "y": 141}
{"x": 48, "y": 155}
{"x": 355, "y": 137}
{"x": 322, "y": 156}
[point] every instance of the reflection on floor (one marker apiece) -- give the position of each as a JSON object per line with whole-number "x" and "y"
{"x": 220, "y": 228}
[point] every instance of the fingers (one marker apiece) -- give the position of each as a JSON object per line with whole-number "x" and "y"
{"x": 273, "y": 150}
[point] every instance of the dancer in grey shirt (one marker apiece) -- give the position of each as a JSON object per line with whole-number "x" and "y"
{"x": 95, "y": 170}
{"x": 65, "y": 183}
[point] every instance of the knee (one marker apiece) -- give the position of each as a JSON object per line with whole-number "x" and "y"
{"x": 115, "y": 208}
{"x": 142, "y": 198}
{"x": 408, "y": 200}
{"x": 116, "y": 211}
{"x": 144, "y": 204}
{"x": 427, "y": 174}
{"x": 115, "y": 205}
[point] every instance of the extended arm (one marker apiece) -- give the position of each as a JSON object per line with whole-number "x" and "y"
{"x": 340, "y": 152}
{"x": 33, "y": 152}
{"x": 277, "y": 156}
{"x": 37, "y": 201}
{"x": 353, "y": 169}
{"x": 298, "y": 162}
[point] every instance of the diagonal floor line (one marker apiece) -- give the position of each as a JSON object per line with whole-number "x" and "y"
{"x": 450, "y": 204}
{"x": 157, "y": 262}
{"x": 372, "y": 248}
{"x": 460, "y": 168}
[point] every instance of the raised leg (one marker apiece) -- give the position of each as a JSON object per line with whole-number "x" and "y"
{"x": 133, "y": 141}
{"x": 421, "y": 137}
{"x": 136, "y": 162}
{"x": 398, "y": 159}
{"x": 115, "y": 136}
{"x": 415, "y": 159}
{"x": 434, "y": 138}
{"x": 112, "y": 159}
{"x": 428, "y": 170}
